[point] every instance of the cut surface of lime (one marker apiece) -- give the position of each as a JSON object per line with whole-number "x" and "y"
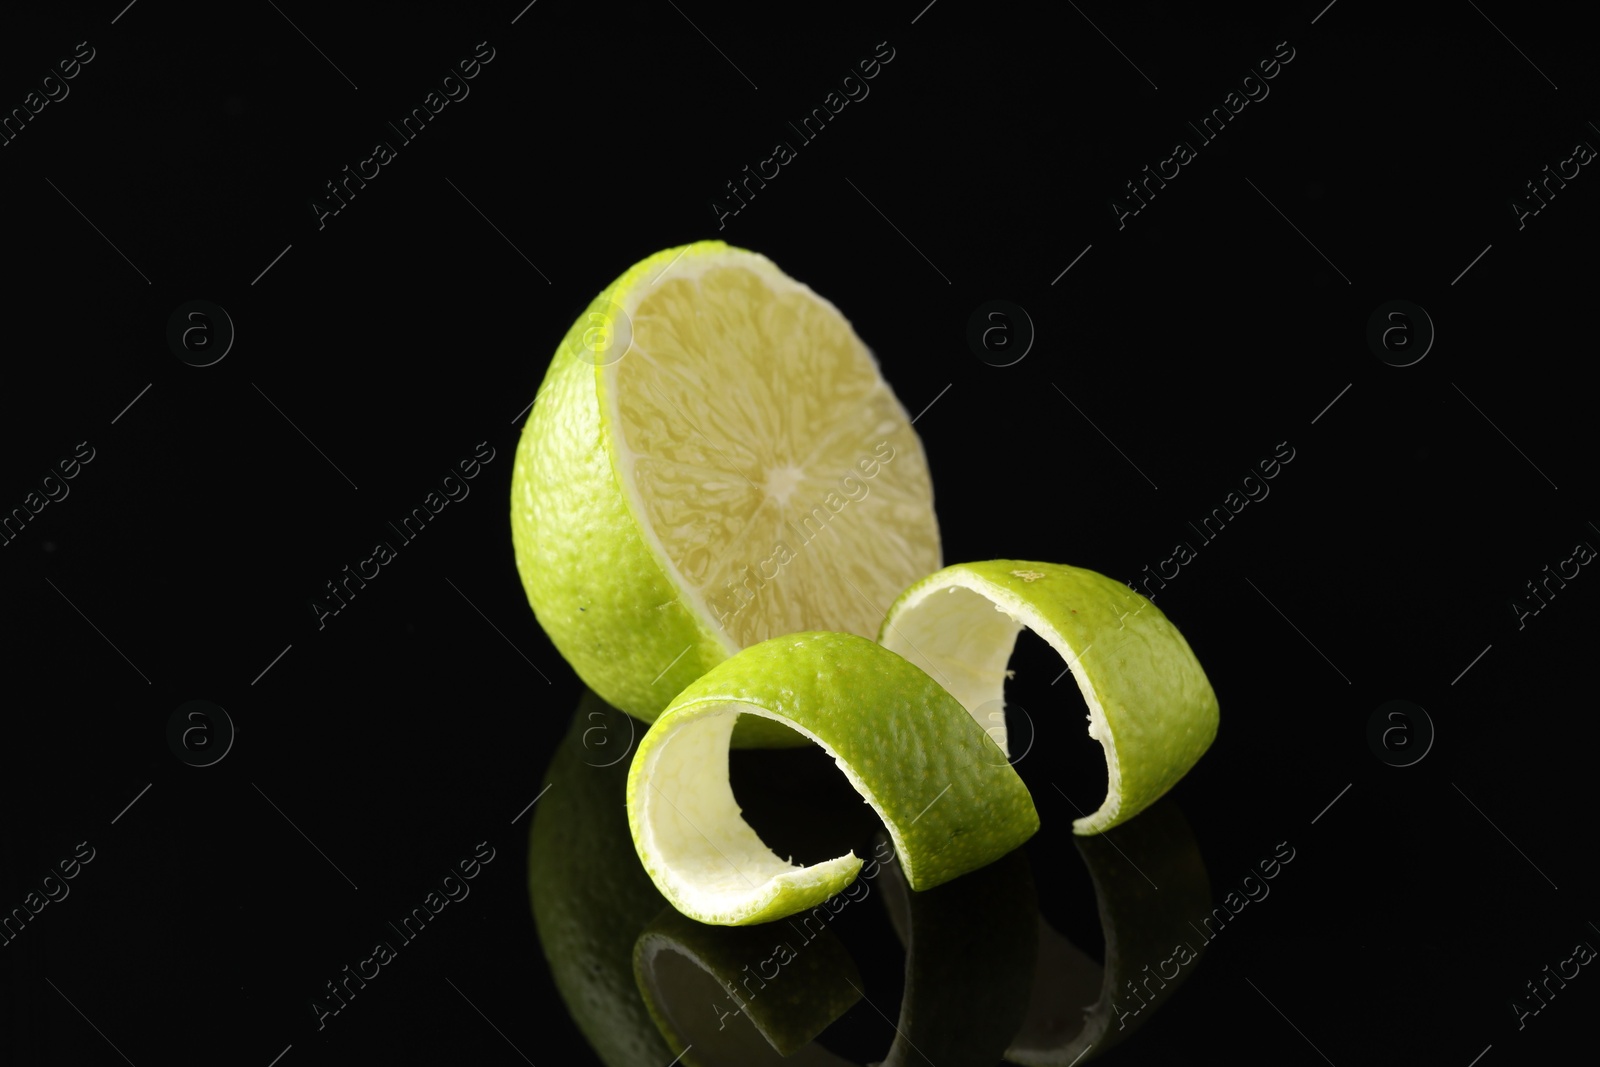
{"x": 1150, "y": 705}
{"x": 713, "y": 459}
{"x": 904, "y": 744}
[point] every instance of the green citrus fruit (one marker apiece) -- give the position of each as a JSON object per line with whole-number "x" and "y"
{"x": 713, "y": 459}
{"x": 903, "y": 743}
{"x": 1150, "y": 705}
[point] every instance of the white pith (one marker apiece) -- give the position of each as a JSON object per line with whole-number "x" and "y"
{"x": 961, "y": 630}
{"x": 706, "y": 859}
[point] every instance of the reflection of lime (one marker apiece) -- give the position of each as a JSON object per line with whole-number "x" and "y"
{"x": 1077, "y": 1005}
{"x": 590, "y": 897}
{"x": 904, "y": 743}
{"x": 970, "y": 949}
{"x": 1150, "y": 705}
{"x": 747, "y": 995}
{"x": 713, "y": 459}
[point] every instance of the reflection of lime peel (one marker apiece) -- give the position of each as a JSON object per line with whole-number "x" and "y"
{"x": 682, "y": 967}
{"x": 970, "y": 949}
{"x": 1150, "y": 704}
{"x": 901, "y": 741}
{"x": 1074, "y": 1015}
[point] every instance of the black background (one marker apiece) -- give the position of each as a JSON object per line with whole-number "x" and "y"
{"x": 1180, "y": 348}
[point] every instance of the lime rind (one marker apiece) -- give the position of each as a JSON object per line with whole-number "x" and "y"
{"x": 1150, "y": 705}
{"x": 903, "y": 743}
